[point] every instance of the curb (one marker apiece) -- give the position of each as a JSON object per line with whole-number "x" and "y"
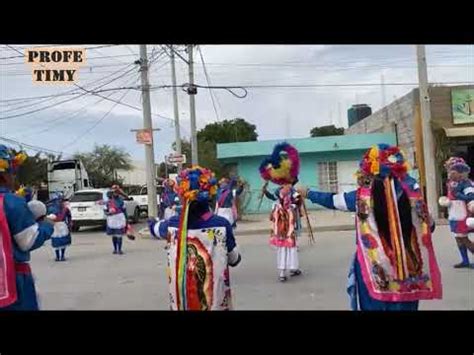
{"x": 344, "y": 227}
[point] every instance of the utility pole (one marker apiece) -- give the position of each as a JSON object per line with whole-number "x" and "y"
{"x": 427, "y": 134}
{"x": 339, "y": 115}
{"x": 192, "y": 107}
{"x": 147, "y": 124}
{"x": 382, "y": 84}
{"x": 176, "y": 108}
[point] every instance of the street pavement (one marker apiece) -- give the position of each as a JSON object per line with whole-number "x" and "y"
{"x": 94, "y": 279}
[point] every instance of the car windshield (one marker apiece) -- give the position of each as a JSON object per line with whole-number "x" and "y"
{"x": 64, "y": 165}
{"x": 87, "y": 197}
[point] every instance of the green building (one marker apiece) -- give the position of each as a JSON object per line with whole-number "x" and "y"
{"x": 327, "y": 163}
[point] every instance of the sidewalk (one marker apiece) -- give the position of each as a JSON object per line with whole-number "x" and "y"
{"x": 321, "y": 221}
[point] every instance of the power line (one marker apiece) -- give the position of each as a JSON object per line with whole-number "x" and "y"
{"x": 208, "y": 83}
{"x": 178, "y": 54}
{"x": 95, "y": 90}
{"x": 74, "y": 91}
{"x": 263, "y": 86}
{"x": 63, "y": 101}
{"x": 68, "y": 118}
{"x": 30, "y": 146}
{"x": 88, "y": 58}
{"x": 98, "y": 121}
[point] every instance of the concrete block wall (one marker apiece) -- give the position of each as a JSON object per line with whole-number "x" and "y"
{"x": 398, "y": 117}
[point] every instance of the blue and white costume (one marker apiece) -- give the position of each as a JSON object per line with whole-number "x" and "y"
{"x": 225, "y": 205}
{"x": 357, "y": 290}
{"x": 61, "y": 237}
{"x": 27, "y": 235}
{"x": 116, "y": 221}
{"x": 213, "y": 240}
{"x": 460, "y": 204}
{"x": 169, "y": 200}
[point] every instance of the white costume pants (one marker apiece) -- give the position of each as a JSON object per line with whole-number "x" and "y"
{"x": 287, "y": 258}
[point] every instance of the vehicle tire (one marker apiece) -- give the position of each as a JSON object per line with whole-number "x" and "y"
{"x": 136, "y": 216}
{"x": 75, "y": 228}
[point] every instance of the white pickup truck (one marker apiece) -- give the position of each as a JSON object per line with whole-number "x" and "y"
{"x": 142, "y": 198}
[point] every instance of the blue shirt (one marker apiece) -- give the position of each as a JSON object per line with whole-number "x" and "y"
{"x": 169, "y": 197}
{"x": 464, "y": 191}
{"x": 227, "y": 203}
{"x": 27, "y": 235}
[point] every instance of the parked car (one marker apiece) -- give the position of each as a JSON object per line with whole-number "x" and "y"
{"x": 87, "y": 208}
{"x": 142, "y": 198}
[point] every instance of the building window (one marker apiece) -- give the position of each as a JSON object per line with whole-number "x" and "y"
{"x": 327, "y": 176}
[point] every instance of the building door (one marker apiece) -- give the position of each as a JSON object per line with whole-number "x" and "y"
{"x": 346, "y": 175}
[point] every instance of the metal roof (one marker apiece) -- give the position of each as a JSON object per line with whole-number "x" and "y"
{"x": 305, "y": 145}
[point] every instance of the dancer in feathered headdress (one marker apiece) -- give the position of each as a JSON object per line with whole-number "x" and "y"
{"x": 20, "y": 233}
{"x": 282, "y": 168}
{"x": 201, "y": 246}
{"x": 227, "y": 193}
{"x": 460, "y": 203}
{"x": 395, "y": 265}
{"x": 116, "y": 217}
{"x": 170, "y": 202}
{"x": 59, "y": 212}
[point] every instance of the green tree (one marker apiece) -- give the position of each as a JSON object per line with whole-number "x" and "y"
{"x": 329, "y": 130}
{"x": 227, "y": 131}
{"x": 103, "y": 162}
{"x": 35, "y": 169}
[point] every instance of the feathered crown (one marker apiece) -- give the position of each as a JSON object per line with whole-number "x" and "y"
{"x": 196, "y": 184}
{"x": 383, "y": 160}
{"x": 458, "y": 164}
{"x": 9, "y": 163}
{"x": 281, "y": 169}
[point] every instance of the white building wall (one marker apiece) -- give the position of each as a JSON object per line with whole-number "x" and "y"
{"x": 136, "y": 176}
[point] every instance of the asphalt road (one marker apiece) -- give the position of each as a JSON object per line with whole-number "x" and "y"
{"x": 94, "y": 279}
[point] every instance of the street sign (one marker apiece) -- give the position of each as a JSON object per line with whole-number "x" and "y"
{"x": 144, "y": 136}
{"x": 176, "y": 159}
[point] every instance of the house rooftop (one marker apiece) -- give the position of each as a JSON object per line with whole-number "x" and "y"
{"x": 305, "y": 145}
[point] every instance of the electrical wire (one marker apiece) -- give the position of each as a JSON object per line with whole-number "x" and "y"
{"x": 86, "y": 91}
{"x": 96, "y": 89}
{"x": 208, "y": 83}
{"x": 74, "y": 141}
{"x": 72, "y": 91}
{"x": 53, "y": 123}
{"x": 30, "y": 146}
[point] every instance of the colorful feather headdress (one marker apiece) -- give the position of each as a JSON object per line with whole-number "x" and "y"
{"x": 9, "y": 163}
{"x": 194, "y": 184}
{"x": 458, "y": 164}
{"x": 279, "y": 168}
{"x": 383, "y": 160}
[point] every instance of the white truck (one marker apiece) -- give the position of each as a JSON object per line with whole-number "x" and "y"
{"x": 67, "y": 176}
